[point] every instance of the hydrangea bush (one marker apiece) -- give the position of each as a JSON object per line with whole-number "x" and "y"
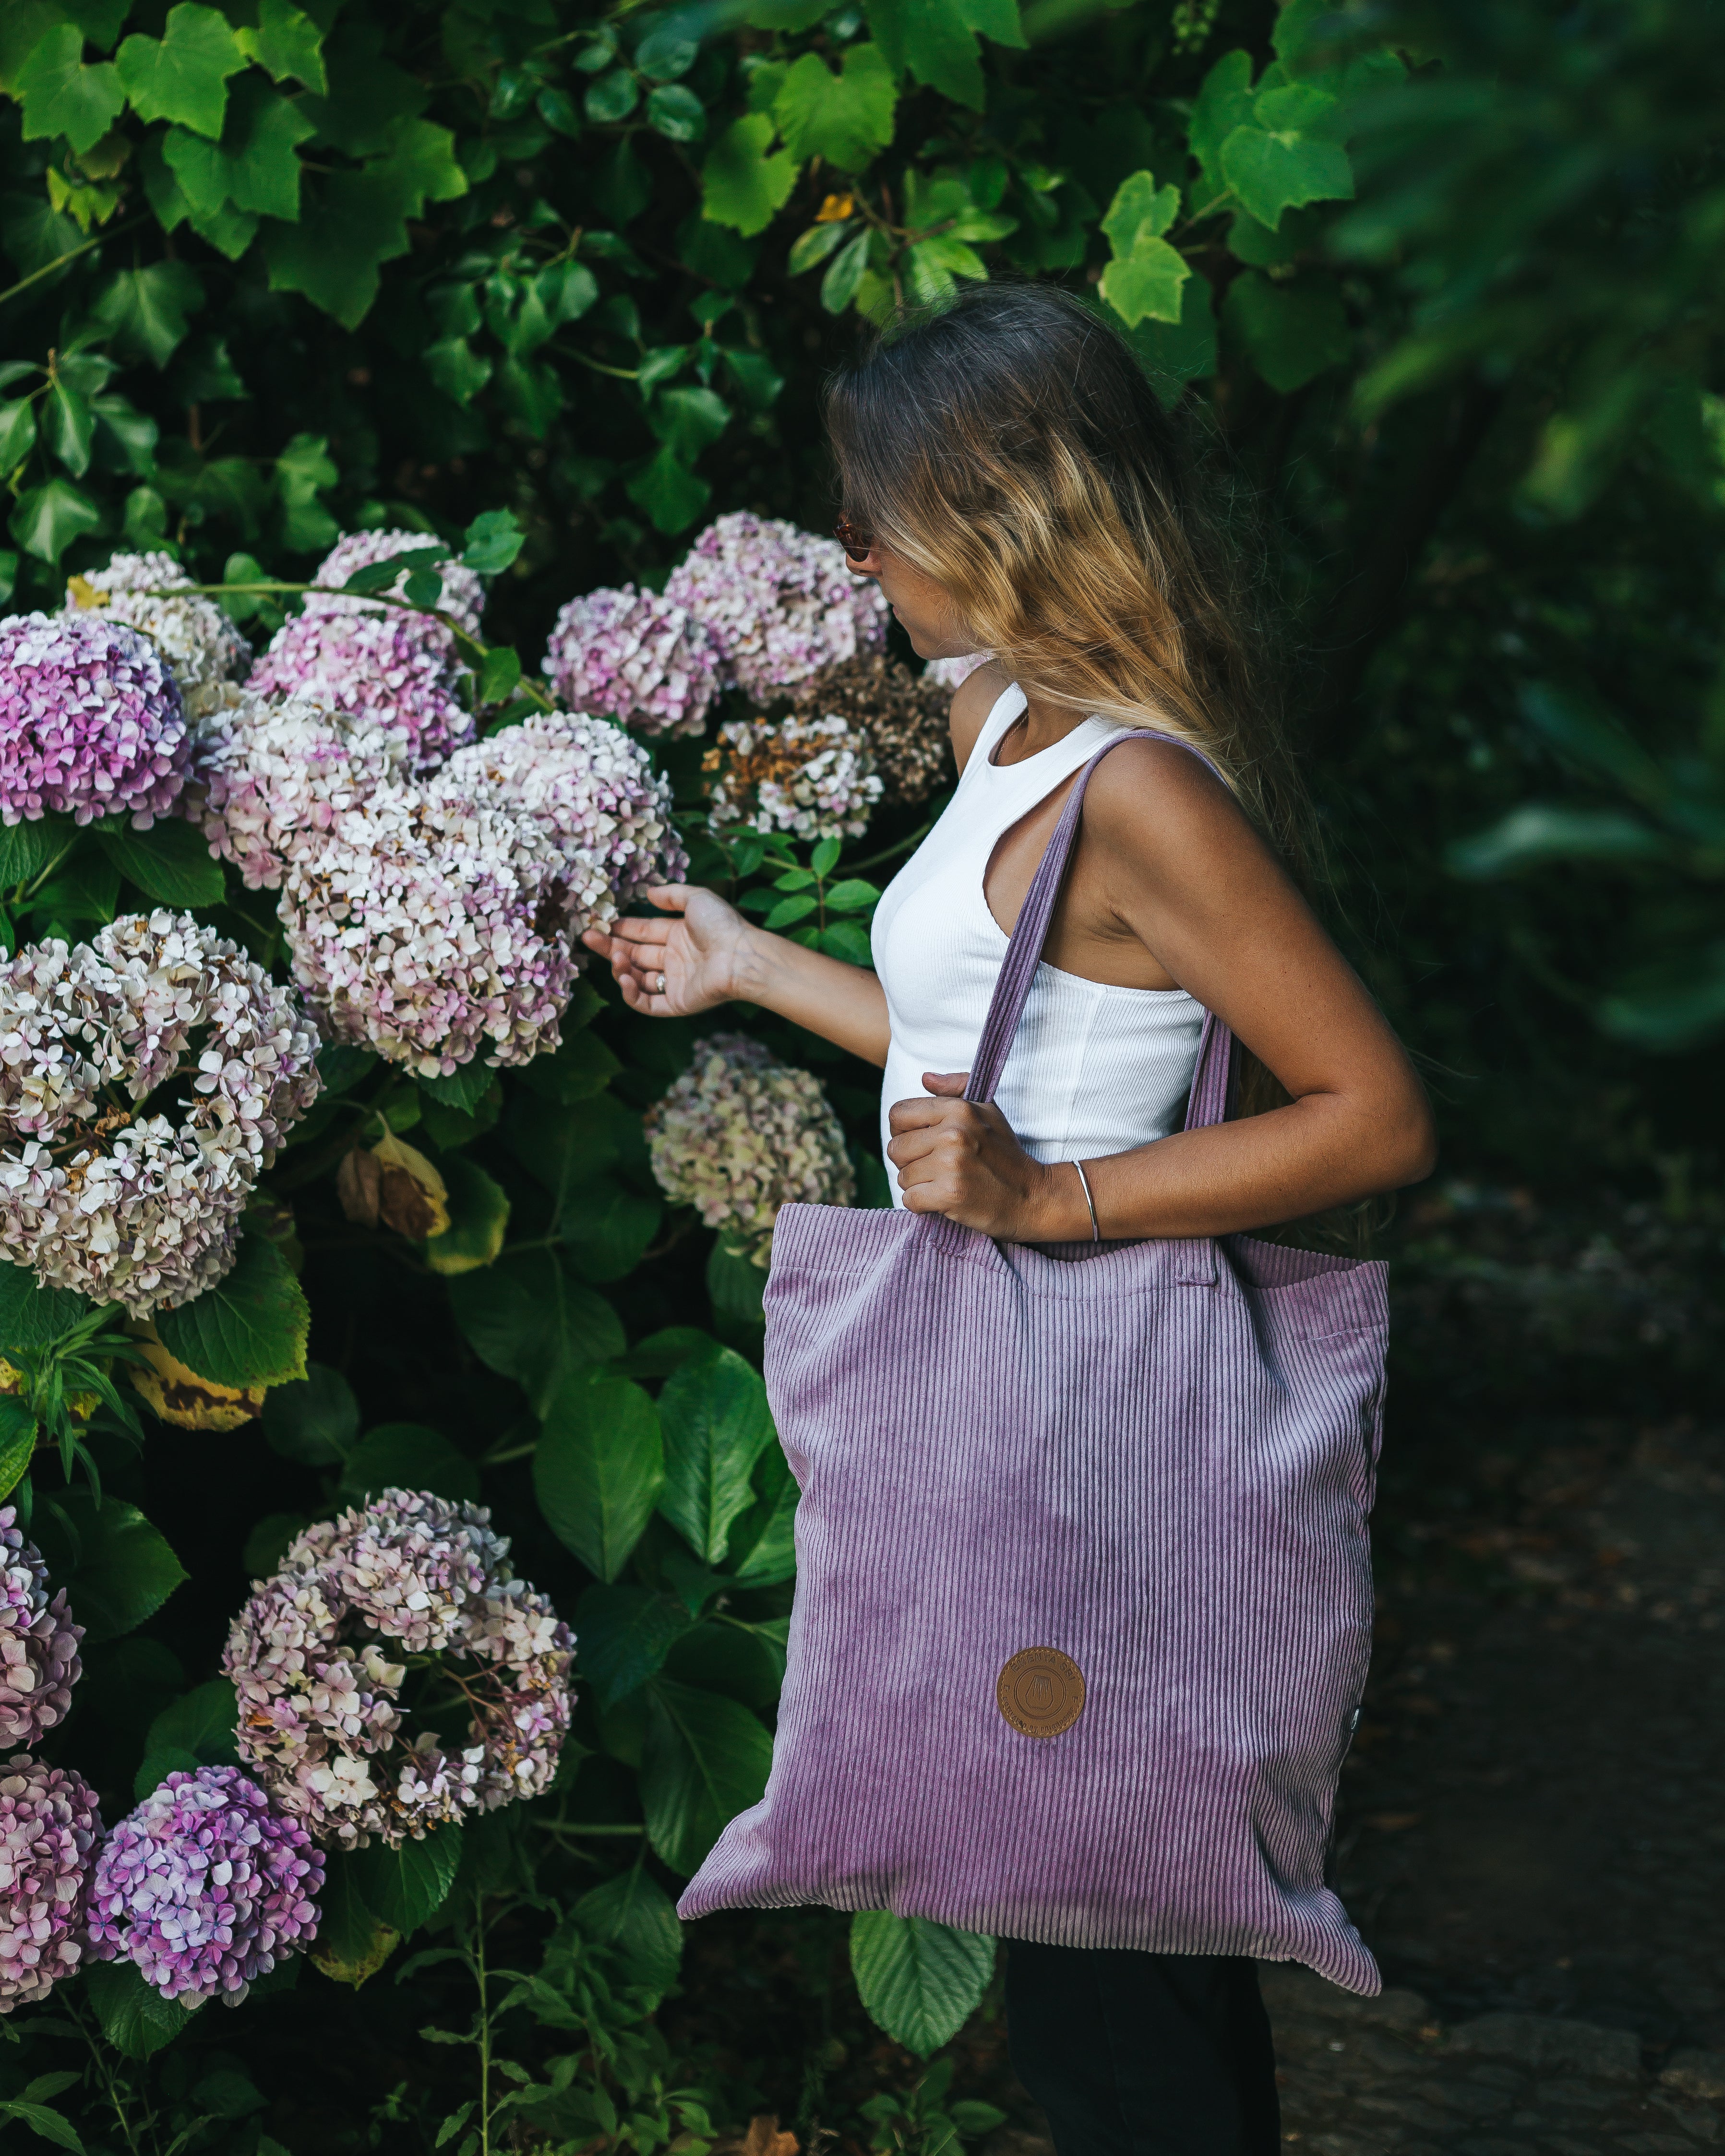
{"x": 739, "y": 1135}
{"x": 392, "y": 668}
{"x": 779, "y": 601}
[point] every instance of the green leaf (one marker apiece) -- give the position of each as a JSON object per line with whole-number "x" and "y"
{"x": 456, "y": 368}
{"x": 201, "y": 1721}
{"x": 611, "y": 97}
{"x": 676, "y": 112}
{"x": 120, "y": 1570}
{"x": 815, "y": 244}
{"x": 183, "y": 74}
{"x": 254, "y": 166}
{"x": 135, "y": 2019}
{"x": 353, "y": 1942}
{"x": 1140, "y": 210}
{"x": 599, "y": 1469}
{"x": 706, "y": 1758}
{"x": 1225, "y": 102}
{"x": 1293, "y": 332}
{"x": 623, "y": 1635}
{"x": 268, "y": 1542}
{"x": 287, "y": 44}
{"x": 48, "y": 519}
{"x": 1146, "y": 283}
{"x": 1175, "y": 353}
{"x": 18, "y": 433}
{"x": 743, "y": 185}
{"x": 846, "y": 118}
{"x": 920, "y": 1981}
{"x": 1269, "y": 173}
{"x": 49, "y": 2125}
{"x": 608, "y": 1232}
{"x": 313, "y": 1420}
{"x": 634, "y": 1914}
{"x": 478, "y": 1219}
{"x": 31, "y": 1315}
{"x": 526, "y": 1318}
{"x": 464, "y": 1088}
{"x": 249, "y": 1328}
{"x": 672, "y": 496}
{"x": 745, "y": 1662}
{"x": 61, "y": 96}
{"x": 839, "y": 287}
{"x": 937, "y": 40}
{"x": 170, "y": 863}
{"x": 763, "y": 1545}
{"x": 716, "y": 1426}
{"x": 406, "y": 1455}
{"x": 145, "y": 310}
{"x": 734, "y": 1283}
{"x": 18, "y": 1442}
{"x": 406, "y": 1886}
{"x": 491, "y": 541}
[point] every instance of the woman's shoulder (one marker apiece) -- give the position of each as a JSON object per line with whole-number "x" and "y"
{"x": 1148, "y": 794}
{"x": 973, "y": 700}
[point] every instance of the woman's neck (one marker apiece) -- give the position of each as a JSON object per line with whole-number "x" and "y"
{"x": 1038, "y": 726}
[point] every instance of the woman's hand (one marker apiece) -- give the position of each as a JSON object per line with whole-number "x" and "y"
{"x": 675, "y": 968}
{"x": 962, "y": 1160}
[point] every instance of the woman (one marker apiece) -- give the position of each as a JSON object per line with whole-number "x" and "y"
{"x": 1012, "y": 483}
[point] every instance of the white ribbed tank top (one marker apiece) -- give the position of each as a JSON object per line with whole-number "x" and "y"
{"x": 1095, "y": 1069}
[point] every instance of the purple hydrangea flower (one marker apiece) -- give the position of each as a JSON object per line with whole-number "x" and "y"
{"x": 49, "y": 1828}
{"x": 39, "y": 1642}
{"x": 152, "y": 594}
{"x": 91, "y": 722}
{"x": 396, "y": 670}
{"x": 206, "y": 1886}
{"x": 779, "y": 601}
{"x": 321, "y": 1719}
{"x": 142, "y": 1211}
{"x": 464, "y": 593}
{"x": 632, "y": 655}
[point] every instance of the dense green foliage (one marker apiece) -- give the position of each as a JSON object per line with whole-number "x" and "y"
{"x": 1445, "y": 284}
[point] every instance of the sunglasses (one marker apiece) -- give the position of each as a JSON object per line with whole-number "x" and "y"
{"x": 857, "y": 543}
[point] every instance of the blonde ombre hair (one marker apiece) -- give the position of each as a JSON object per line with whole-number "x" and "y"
{"x": 1010, "y": 447}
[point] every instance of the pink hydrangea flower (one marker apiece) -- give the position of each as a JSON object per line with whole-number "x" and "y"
{"x": 39, "y": 1661}
{"x": 400, "y": 671}
{"x": 205, "y": 1887}
{"x": 779, "y": 601}
{"x": 49, "y": 1828}
{"x": 464, "y": 593}
{"x": 153, "y": 594}
{"x": 634, "y": 656}
{"x": 92, "y": 721}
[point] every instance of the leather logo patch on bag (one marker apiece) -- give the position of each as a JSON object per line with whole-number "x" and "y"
{"x": 1040, "y": 1691}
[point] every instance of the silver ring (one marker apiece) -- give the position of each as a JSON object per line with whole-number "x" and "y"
{"x": 661, "y": 984}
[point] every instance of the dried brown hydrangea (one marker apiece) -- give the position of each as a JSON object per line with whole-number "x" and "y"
{"x": 905, "y": 718}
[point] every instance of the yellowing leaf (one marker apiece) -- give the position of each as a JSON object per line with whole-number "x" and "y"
{"x": 179, "y": 1396}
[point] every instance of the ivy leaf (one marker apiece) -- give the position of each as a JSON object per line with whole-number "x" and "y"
{"x": 491, "y": 541}
{"x": 672, "y": 496}
{"x": 62, "y": 96}
{"x": 249, "y": 1328}
{"x": 1146, "y": 283}
{"x": 1292, "y": 331}
{"x": 1175, "y": 353}
{"x": 714, "y": 1415}
{"x": 743, "y": 185}
{"x": 1272, "y": 172}
{"x": 135, "y": 2019}
{"x": 18, "y": 433}
{"x": 355, "y": 222}
{"x": 1140, "y": 210}
{"x": 286, "y": 45}
{"x": 254, "y": 166}
{"x": 145, "y": 310}
{"x": 116, "y": 1568}
{"x": 599, "y": 1469}
{"x": 182, "y": 75}
{"x": 846, "y": 118}
{"x": 704, "y": 1759}
{"x": 920, "y": 1981}
{"x": 937, "y": 40}
{"x": 1224, "y": 103}
{"x": 47, "y": 518}
{"x": 456, "y": 368}
{"x": 68, "y": 426}
{"x": 170, "y": 863}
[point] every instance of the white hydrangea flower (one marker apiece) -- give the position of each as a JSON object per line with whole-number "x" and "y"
{"x": 740, "y": 1134}
{"x": 201, "y": 646}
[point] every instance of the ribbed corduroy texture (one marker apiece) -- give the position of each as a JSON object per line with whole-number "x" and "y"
{"x": 1157, "y": 1457}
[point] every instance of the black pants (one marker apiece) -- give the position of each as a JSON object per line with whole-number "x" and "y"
{"x": 1143, "y": 2054}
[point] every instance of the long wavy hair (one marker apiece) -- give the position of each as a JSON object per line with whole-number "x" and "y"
{"x": 1011, "y": 446}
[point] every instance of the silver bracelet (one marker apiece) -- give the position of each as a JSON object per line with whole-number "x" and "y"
{"x": 1096, "y": 1233}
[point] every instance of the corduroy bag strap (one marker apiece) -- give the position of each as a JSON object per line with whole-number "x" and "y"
{"x": 1209, "y": 1100}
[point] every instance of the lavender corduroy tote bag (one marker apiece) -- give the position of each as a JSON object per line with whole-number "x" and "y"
{"x": 1084, "y": 1597}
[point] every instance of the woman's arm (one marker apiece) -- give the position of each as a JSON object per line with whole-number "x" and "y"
{"x": 709, "y": 953}
{"x": 1171, "y": 858}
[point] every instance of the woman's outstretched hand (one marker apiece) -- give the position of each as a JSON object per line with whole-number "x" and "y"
{"x": 673, "y": 967}
{"x": 955, "y": 1158}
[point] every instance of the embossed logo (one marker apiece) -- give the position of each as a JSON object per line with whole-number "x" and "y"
{"x": 1040, "y": 1691}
